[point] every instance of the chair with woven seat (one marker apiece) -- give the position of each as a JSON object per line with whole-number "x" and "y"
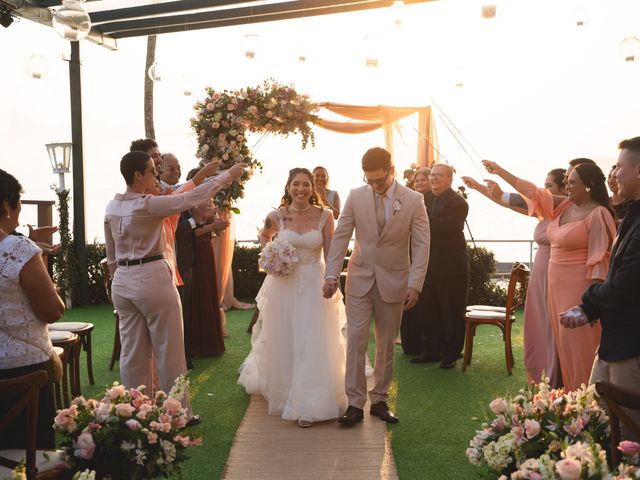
{"x": 39, "y": 464}
{"x": 617, "y": 399}
{"x": 488, "y": 315}
{"x": 115, "y": 351}
{"x": 83, "y": 330}
{"x": 70, "y": 342}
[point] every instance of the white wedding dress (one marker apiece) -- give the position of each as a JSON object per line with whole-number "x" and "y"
{"x": 297, "y": 358}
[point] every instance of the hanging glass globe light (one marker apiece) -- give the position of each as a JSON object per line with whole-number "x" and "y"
{"x": 37, "y": 66}
{"x": 630, "y": 49}
{"x": 71, "y": 21}
{"x": 156, "y": 72}
{"x": 371, "y": 50}
{"x": 250, "y": 45}
{"x": 582, "y": 16}
{"x": 186, "y": 84}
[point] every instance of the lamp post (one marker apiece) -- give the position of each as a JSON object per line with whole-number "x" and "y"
{"x": 60, "y": 157}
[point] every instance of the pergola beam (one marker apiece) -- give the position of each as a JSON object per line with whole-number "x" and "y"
{"x": 44, "y": 16}
{"x": 239, "y": 16}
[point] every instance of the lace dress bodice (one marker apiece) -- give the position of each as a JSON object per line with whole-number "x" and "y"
{"x": 308, "y": 245}
{"x": 20, "y": 329}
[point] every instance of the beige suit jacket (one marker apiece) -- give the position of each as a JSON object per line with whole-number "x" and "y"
{"x": 382, "y": 258}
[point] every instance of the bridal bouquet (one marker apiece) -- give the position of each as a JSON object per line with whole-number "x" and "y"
{"x": 127, "y": 434}
{"x": 278, "y": 258}
{"x": 537, "y": 423}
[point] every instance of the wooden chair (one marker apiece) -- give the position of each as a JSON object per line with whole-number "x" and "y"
{"x": 70, "y": 342}
{"x": 83, "y": 330}
{"x": 484, "y": 315}
{"x": 617, "y": 399}
{"x": 115, "y": 351}
{"x": 25, "y": 390}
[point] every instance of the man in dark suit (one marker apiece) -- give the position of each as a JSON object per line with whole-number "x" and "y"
{"x": 615, "y": 301}
{"x": 444, "y": 296}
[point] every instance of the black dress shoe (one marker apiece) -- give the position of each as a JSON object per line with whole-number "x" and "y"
{"x": 190, "y": 365}
{"x": 193, "y": 421}
{"x": 429, "y": 358}
{"x": 381, "y": 410}
{"x": 448, "y": 364}
{"x": 352, "y": 416}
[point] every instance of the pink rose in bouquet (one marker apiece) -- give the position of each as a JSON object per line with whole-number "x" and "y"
{"x": 278, "y": 258}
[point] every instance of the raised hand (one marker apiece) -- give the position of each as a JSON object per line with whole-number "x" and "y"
{"x": 494, "y": 190}
{"x": 492, "y": 167}
{"x": 41, "y": 234}
{"x": 473, "y": 183}
{"x": 219, "y": 225}
{"x": 211, "y": 168}
{"x": 237, "y": 170}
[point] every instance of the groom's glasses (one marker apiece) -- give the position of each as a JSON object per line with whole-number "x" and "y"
{"x": 380, "y": 182}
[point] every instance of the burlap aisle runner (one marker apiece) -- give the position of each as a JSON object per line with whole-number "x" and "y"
{"x": 271, "y": 448}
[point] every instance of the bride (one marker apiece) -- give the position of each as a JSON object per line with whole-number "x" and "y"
{"x": 297, "y": 359}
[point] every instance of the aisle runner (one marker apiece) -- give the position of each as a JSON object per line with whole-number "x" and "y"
{"x": 271, "y": 448}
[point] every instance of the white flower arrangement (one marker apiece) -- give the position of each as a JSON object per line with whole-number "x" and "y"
{"x": 278, "y": 258}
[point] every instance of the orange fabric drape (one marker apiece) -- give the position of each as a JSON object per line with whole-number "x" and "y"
{"x": 387, "y": 118}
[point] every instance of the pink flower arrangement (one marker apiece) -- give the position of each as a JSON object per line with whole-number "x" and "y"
{"x": 270, "y": 107}
{"x": 278, "y": 258}
{"x": 538, "y": 421}
{"x": 126, "y": 434}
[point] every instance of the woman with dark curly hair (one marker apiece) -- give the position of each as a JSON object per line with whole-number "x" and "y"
{"x": 297, "y": 359}
{"x": 581, "y": 233}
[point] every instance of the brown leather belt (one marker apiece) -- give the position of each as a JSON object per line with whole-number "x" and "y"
{"x": 140, "y": 261}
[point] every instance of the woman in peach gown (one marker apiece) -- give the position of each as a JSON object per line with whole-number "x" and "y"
{"x": 581, "y": 231}
{"x": 540, "y": 356}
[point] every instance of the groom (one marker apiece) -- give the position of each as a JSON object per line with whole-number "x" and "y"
{"x": 381, "y": 278}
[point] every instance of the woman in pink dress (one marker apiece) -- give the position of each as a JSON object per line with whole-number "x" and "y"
{"x": 540, "y": 356}
{"x": 581, "y": 231}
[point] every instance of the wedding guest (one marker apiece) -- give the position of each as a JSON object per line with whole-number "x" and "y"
{"x": 540, "y": 356}
{"x": 207, "y": 336}
{"x": 616, "y": 201}
{"x": 29, "y": 303}
{"x": 411, "y": 326}
{"x": 615, "y": 302}
{"x": 444, "y": 296}
{"x": 149, "y": 146}
{"x": 143, "y": 288}
{"x": 329, "y": 198}
{"x": 581, "y": 232}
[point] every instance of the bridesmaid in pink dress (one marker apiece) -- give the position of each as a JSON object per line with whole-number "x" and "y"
{"x": 540, "y": 355}
{"x": 581, "y": 231}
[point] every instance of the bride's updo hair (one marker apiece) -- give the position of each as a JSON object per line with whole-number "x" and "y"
{"x": 286, "y": 198}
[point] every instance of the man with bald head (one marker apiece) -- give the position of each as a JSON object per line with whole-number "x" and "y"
{"x": 444, "y": 296}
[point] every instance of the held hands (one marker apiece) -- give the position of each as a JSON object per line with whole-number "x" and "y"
{"x": 237, "y": 170}
{"x": 410, "y": 298}
{"x": 573, "y": 318}
{"x": 330, "y": 287}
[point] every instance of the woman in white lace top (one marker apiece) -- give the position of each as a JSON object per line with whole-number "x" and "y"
{"x": 29, "y": 303}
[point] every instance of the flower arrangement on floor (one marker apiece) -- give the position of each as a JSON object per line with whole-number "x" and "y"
{"x": 223, "y": 118}
{"x": 538, "y": 421}
{"x": 127, "y": 434}
{"x": 278, "y": 258}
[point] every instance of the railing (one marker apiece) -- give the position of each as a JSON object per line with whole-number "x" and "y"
{"x": 477, "y": 242}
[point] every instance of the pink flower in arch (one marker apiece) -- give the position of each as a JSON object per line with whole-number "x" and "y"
{"x": 569, "y": 469}
{"x": 629, "y": 448}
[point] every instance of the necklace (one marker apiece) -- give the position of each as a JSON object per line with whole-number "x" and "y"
{"x": 300, "y": 210}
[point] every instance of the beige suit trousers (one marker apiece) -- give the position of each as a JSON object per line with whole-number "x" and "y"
{"x": 387, "y": 317}
{"x": 625, "y": 373}
{"x": 148, "y": 305}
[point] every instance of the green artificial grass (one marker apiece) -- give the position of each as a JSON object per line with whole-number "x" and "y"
{"x": 215, "y": 395}
{"x": 439, "y": 409}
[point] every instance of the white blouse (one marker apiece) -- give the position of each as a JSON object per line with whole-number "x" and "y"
{"x": 16, "y": 315}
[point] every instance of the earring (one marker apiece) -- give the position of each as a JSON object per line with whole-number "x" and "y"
{"x": 588, "y": 189}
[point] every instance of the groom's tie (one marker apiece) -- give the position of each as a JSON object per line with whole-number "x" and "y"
{"x": 380, "y": 217}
